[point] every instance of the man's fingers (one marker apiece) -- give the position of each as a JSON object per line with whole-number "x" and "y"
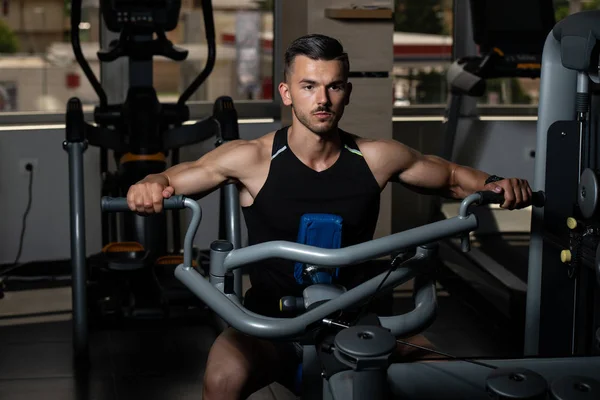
{"x": 492, "y": 187}
{"x": 157, "y": 200}
{"x": 147, "y": 198}
{"x": 139, "y": 202}
{"x": 148, "y": 202}
{"x": 516, "y": 185}
{"x": 131, "y": 200}
{"x": 509, "y": 196}
{"x": 168, "y": 192}
{"x": 526, "y": 192}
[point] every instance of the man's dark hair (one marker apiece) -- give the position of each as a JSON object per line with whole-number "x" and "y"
{"x": 316, "y": 47}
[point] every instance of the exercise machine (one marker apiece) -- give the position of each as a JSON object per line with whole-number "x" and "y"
{"x": 563, "y": 296}
{"x": 132, "y": 278}
{"x": 346, "y": 351}
{"x": 348, "y": 355}
{"x": 510, "y": 43}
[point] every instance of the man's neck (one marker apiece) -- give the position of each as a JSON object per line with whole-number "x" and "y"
{"x": 318, "y": 151}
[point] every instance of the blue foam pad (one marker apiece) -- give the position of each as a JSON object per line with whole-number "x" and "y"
{"x": 320, "y": 230}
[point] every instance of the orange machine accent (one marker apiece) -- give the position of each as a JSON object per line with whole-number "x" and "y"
{"x": 120, "y": 247}
{"x": 129, "y": 157}
{"x": 529, "y": 66}
{"x": 173, "y": 260}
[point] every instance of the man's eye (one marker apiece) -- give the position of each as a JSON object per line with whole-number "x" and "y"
{"x": 308, "y": 87}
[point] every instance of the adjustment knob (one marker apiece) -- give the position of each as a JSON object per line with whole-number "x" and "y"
{"x": 565, "y": 256}
{"x": 571, "y": 223}
{"x": 291, "y": 303}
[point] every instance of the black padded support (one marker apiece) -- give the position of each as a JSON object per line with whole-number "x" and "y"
{"x": 578, "y": 35}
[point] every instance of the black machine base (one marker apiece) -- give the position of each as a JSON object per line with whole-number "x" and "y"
{"x": 131, "y": 289}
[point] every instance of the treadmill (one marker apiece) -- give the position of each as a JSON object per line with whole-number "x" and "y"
{"x": 508, "y": 39}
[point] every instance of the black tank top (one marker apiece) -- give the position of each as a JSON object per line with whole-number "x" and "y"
{"x": 292, "y": 189}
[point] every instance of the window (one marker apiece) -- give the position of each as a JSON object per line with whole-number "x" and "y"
{"x": 422, "y": 51}
{"x": 39, "y": 73}
{"x": 244, "y": 62}
{"x": 423, "y": 43}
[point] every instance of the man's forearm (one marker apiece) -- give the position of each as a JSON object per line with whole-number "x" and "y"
{"x": 156, "y": 178}
{"x": 466, "y": 180}
{"x": 164, "y": 178}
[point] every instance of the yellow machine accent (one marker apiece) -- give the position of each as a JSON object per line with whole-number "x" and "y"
{"x": 565, "y": 256}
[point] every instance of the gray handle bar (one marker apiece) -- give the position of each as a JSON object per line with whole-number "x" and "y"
{"x": 116, "y": 204}
{"x": 285, "y": 328}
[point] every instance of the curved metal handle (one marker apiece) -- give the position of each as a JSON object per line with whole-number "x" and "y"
{"x": 287, "y": 328}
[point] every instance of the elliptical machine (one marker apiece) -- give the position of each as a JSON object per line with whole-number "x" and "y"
{"x": 132, "y": 277}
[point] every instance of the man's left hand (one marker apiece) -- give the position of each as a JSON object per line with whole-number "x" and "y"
{"x": 517, "y": 193}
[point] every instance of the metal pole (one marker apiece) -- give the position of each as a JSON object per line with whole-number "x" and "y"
{"x": 233, "y": 229}
{"x": 277, "y": 48}
{"x": 463, "y": 45}
{"x": 78, "y": 250}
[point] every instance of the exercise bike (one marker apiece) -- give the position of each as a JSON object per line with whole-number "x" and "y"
{"x": 132, "y": 278}
{"x": 347, "y": 355}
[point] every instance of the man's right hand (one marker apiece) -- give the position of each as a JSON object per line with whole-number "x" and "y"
{"x": 146, "y": 196}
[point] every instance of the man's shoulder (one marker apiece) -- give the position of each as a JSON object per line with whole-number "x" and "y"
{"x": 259, "y": 147}
{"x": 380, "y": 152}
{"x": 370, "y": 145}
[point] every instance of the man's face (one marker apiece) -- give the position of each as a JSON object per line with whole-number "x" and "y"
{"x": 317, "y": 91}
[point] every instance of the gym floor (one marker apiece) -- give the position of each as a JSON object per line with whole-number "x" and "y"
{"x": 165, "y": 361}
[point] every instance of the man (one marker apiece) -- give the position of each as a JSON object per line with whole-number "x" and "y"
{"x": 310, "y": 167}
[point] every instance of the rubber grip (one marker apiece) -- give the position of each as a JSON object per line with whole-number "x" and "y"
{"x": 116, "y": 204}
{"x": 174, "y": 202}
{"x": 489, "y": 197}
{"x": 538, "y": 199}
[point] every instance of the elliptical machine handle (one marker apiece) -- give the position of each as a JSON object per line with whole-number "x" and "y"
{"x": 116, "y": 204}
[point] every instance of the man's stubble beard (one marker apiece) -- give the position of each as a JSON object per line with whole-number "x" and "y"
{"x": 319, "y": 130}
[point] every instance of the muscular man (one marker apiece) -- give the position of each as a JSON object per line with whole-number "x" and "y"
{"x": 311, "y": 166}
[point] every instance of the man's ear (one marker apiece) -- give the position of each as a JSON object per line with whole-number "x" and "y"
{"x": 348, "y": 93}
{"x": 284, "y": 91}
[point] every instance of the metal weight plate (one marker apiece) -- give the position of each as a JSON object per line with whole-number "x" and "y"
{"x": 575, "y": 388}
{"x": 516, "y": 383}
{"x": 587, "y": 193}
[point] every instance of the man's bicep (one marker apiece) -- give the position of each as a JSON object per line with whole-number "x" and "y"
{"x": 402, "y": 161}
{"x": 237, "y": 160}
{"x": 426, "y": 172}
{"x": 213, "y": 169}
{"x": 195, "y": 178}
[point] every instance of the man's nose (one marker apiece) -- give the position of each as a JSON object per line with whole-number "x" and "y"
{"x": 322, "y": 96}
